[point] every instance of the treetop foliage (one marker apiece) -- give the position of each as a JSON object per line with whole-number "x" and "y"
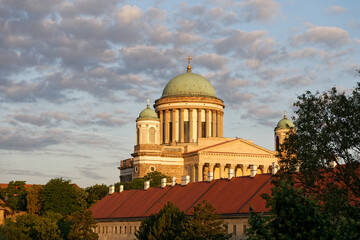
{"x": 172, "y": 223}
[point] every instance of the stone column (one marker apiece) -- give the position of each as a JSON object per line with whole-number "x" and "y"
{"x": 161, "y": 112}
{"x": 200, "y": 173}
{"x": 207, "y": 122}
{"x": 182, "y": 125}
{"x": 193, "y": 170}
{"x": 221, "y": 124}
{"x": 213, "y": 132}
{"x": 199, "y": 123}
{"x": 218, "y": 113}
{"x": 167, "y": 120}
{"x": 221, "y": 172}
{"x": 191, "y": 127}
{"x": 174, "y": 113}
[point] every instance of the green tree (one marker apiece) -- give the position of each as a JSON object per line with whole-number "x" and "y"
{"x": 30, "y": 226}
{"x": 96, "y": 193}
{"x": 205, "y": 224}
{"x": 168, "y": 223}
{"x": 292, "y": 216}
{"x": 60, "y": 196}
{"x": 34, "y": 204}
{"x": 81, "y": 225}
{"x": 327, "y": 131}
{"x": 138, "y": 183}
{"x": 16, "y": 195}
{"x": 155, "y": 178}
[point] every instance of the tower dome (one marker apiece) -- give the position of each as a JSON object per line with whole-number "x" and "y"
{"x": 148, "y": 114}
{"x": 285, "y": 123}
{"x": 189, "y": 85}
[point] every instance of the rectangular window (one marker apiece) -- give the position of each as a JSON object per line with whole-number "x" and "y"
{"x": 244, "y": 229}
{"x": 130, "y": 229}
{"x": 186, "y": 131}
{"x": 135, "y": 229}
{"x": 115, "y": 229}
{"x": 120, "y": 229}
{"x": 170, "y": 131}
{"x": 203, "y": 129}
{"x": 125, "y": 229}
{"x": 234, "y": 230}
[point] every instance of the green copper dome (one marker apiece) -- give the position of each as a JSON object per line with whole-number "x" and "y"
{"x": 285, "y": 123}
{"x": 189, "y": 85}
{"x": 148, "y": 114}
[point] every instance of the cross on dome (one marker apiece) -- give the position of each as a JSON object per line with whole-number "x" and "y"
{"x": 189, "y": 67}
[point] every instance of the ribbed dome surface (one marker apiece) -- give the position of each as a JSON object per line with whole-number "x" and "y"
{"x": 285, "y": 123}
{"x": 189, "y": 85}
{"x": 148, "y": 114}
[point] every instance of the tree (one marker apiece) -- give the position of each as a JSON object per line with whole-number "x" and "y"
{"x": 81, "y": 225}
{"x": 327, "y": 131}
{"x": 205, "y": 224}
{"x": 60, "y": 196}
{"x": 96, "y": 193}
{"x": 16, "y": 194}
{"x": 155, "y": 178}
{"x": 30, "y": 226}
{"x": 34, "y": 204}
{"x": 168, "y": 223}
{"x": 138, "y": 183}
{"x": 292, "y": 216}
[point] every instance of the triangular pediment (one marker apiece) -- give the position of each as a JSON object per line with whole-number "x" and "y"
{"x": 237, "y": 146}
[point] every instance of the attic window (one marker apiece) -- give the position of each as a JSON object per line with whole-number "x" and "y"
{"x": 152, "y": 169}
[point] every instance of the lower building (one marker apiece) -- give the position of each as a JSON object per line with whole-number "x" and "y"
{"x": 119, "y": 215}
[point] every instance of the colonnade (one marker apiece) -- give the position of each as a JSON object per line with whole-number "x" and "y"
{"x": 199, "y": 171}
{"x": 188, "y": 124}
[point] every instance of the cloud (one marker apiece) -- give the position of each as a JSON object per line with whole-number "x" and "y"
{"x": 330, "y": 37}
{"x": 211, "y": 61}
{"x": 299, "y": 80}
{"x": 335, "y": 10}
{"x": 128, "y": 14}
{"x": 260, "y": 10}
{"x": 254, "y": 46}
{"x": 14, "y": 140}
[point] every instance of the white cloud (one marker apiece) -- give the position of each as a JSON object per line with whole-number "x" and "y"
{"x": 127, "y": 14}
{"x": 260, "y": 10}
{"x": 328, "y": 36}
{"x": 335, "y": 10}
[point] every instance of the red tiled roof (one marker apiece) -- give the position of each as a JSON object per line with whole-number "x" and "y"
{"x": 228, "y": 197}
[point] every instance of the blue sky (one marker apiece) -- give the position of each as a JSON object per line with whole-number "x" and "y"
{"x": 74, "y": 75}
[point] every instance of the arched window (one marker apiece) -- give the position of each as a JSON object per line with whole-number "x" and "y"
{"x": 277, "y": 145}
{"x": 152, "y": 135}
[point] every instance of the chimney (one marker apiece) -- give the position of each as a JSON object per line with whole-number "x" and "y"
{"x": 185, "y": 180}
{"x": 332, "y": 164}
{"x": 146, "y": 185}
{"x": 274, "y": 168}
{"x": 121, "y": 188}
{"x": 111, "y": 189}
{"x": 230, "y": 173}
{"x": 210, "y": 176}
{"x": 253, "y": 170}
{"x": 173, "y": 181}
{"x": 163, "y": 182}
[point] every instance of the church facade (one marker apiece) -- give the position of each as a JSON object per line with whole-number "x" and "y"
{"x": 183, "y": 136}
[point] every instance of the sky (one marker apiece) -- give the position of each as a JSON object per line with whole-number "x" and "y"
{"x": 75, "y": 74}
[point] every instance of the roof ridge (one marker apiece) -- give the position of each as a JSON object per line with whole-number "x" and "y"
{"x": 157, "y": 201}
{"x": 136, "y": 190}
{"x": 197, "y": 200}
{"x": 252, "y": 196}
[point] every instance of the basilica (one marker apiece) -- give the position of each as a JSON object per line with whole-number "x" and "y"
{"x": 183, "y": 136}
